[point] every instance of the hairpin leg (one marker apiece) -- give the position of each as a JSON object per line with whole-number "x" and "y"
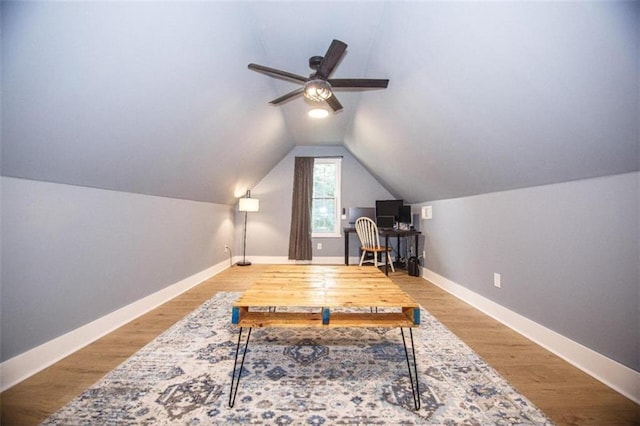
{"x": 235, "y": 382}
{"x": 413, "y": 374}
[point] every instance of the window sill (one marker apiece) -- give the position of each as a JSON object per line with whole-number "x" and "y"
{"x": 326, "y": 235}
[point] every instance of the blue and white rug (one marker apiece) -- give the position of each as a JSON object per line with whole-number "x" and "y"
{"x": 298, "y": 376}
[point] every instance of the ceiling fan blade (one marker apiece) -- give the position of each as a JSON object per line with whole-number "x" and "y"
{"x": 331, "y": 58}
{"x": 287, "y": 96}
{"x": 334, "y": 103}
{"x": 278, "y": 73}
{"x": 359, "y": 83}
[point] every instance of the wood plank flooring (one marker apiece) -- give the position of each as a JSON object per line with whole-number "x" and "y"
{"x": 567, "y": 395}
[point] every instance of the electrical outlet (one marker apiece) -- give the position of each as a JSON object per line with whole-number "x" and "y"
{"x": 497, "y": 280}
{"x": 319, "y": 246}
{"x": 226, "y": 248}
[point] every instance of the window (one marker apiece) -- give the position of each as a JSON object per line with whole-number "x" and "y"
{"x": 325, "y": 208}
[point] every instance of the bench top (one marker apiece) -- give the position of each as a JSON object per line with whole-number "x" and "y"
{"x": 320, "y": 291}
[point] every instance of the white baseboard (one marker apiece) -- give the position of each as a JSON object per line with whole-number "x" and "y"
{"x": 613, "y": 374}
{"x": 317, "y": 260}
{"x": 22, "y": 366}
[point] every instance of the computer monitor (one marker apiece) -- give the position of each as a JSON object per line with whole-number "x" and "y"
{"x": 356, "y": 212}
{"x": 389, "y": 208}
{"x": 405, "y": 214}
{"x": 385, "y": 222}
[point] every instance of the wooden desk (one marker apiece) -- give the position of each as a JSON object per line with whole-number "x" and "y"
{"x": 315, "y": 296}
{"x": 386, "y": 233}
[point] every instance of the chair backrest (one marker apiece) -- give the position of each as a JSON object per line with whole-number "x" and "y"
{"x": 367, "y": 231}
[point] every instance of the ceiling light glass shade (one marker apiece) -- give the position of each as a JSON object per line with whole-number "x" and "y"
{"x": 317, "y": 90}
{"x": 318, "y": 113}
{"x": 249, "y": 205}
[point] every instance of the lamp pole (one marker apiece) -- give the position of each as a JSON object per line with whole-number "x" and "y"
{"x": 244, "y": 244}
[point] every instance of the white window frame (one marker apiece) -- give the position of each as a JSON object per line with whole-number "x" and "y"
{"x": 336, "y": 233}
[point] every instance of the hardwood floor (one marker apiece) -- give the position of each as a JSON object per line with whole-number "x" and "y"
{"x": 567, "y": 395}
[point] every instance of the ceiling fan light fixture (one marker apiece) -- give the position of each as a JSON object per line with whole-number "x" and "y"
{"x": 318, "y": 113}
{"x": 318, "y": 87}
{"x": 317, "y": 90}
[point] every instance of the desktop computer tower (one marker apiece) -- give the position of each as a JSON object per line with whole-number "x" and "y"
{"x": 413, "y": 269}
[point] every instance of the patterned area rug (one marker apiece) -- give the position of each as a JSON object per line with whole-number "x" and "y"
{"x": 299, "y": 376}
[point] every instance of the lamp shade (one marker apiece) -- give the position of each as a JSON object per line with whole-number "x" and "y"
{"x": 249, "y": 205}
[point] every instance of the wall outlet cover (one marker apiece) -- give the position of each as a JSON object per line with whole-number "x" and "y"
{"x": 427, "y": 212}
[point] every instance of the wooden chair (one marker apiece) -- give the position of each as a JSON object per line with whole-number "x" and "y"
{"x": 367, "y": 231}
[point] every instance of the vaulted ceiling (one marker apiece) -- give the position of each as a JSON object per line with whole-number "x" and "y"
{"x": 156, "y": 98}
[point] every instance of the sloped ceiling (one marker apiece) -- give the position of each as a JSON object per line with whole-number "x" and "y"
{"x": 156, "y": 98}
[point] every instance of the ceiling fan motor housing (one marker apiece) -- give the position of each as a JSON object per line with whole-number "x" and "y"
{"x": 314, "y": 62}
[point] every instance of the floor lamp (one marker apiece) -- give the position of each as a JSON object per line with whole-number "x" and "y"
{"x": 247, "y": 204}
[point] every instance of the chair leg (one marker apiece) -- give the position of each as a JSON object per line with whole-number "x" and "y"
{"x": 364, "y": 253}
{"x": 390, "y": 262}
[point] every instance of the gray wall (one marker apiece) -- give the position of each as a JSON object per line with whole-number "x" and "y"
{"x": 521, "y": 94}
{"x": 568, "y": 255}
{"x": 268, "y": 230}
{"x": 72, "y": 254}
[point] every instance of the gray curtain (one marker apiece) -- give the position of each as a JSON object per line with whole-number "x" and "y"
{"x": 300, "y": 235}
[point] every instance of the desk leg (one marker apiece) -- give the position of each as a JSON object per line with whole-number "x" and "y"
{"x": 413, "y": 374}
{"x": 235, "y": 382}
{"x": 346, "y": 248}
{"x": 386, "y": 255}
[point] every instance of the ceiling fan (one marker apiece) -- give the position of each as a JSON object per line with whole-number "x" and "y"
{"x": 318, "y": 86}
